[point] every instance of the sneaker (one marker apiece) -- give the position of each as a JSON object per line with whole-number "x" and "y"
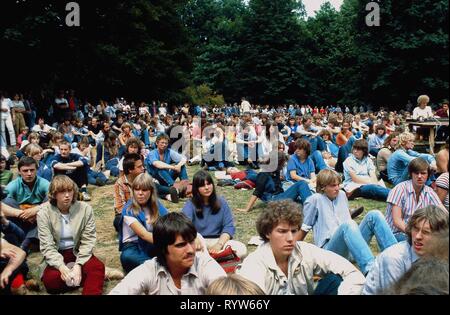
{"x": 113, "y": 274}
{"x": 355, "y": 213}
{"x": 173, "y": 194}
{"x": 353, "y": 194}
{"x": 85, "y": 196}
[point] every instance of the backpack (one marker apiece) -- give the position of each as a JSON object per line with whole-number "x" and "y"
{"x": 227, "y": 259}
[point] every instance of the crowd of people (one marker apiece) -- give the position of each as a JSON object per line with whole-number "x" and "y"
{"x": 303, "y": 162}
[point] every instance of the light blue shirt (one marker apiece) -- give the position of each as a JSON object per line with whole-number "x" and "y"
{"x": 359, "y": 167}
{"x": 399, "y": 161}
{"x": 376, "y": 142}
{"x": 389, "y": 267}
{"x": 324, "y": 216}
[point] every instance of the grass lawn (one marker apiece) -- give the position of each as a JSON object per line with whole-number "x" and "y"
{"x": 107, "y": 243}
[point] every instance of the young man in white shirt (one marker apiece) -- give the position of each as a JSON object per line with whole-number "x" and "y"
{"x": 177, "y": 268}
{"x": 6, "y": 119}
{"x": 285, "y": 266}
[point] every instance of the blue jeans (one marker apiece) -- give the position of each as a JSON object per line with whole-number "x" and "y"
{"x": 298, "y": 192}
{"x": 375, "y": 192}
{"x": 168, "y": 177}
{"x": 328, "y": 285}
{"x": 93, "y": 176}
{"x": 354, "y": 239}
{"x": 132, "y": 256}
{"x": 400, "y": 237}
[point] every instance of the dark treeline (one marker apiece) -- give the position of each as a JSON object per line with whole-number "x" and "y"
{"x": 267, "y": 50}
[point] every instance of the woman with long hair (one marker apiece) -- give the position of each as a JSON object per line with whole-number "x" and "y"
{"x": 389, "y": 146}
{"x": 136, "y": 225}
{"x": 212, "y": 216}
{"x": 108, "y": 153}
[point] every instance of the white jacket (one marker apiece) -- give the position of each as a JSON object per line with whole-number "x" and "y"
{"x": 306, "y": 261}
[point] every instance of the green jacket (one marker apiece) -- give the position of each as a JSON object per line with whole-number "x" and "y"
{"x": 82, "y": 224}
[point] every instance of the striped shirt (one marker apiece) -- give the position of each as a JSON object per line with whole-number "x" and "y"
{"x": 442, "y": 182}
{"x": 404, "y": 196}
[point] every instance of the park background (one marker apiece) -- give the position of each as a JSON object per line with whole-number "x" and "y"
{"x": 215, "y": 51}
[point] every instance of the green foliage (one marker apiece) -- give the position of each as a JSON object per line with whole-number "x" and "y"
{"x": 267, "y": 50}
{"x": 203, "y": 95}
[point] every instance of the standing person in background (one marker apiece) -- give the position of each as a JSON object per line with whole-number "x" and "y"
{"x": 422, "y": 111}
{"x": 245, "y": 106}
{"x": 6, "y": 119}
{"x": 18, "y": 111}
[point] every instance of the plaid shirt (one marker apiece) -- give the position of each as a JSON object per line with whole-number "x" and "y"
{"x": 122, "y": 193}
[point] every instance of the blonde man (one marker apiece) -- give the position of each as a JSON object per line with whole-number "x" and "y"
{"x": 327, "y": 214}
{"x": 397, "y": 166}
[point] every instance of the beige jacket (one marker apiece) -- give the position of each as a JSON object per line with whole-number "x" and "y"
{"x": 306, "y": 261}
{"x": 82, "y": 224}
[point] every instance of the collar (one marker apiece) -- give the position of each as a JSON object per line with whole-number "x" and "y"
{"x": 192, "y": 271}
{"x": 22, "y": 183}
{"x": 294, "y": 260}
{"x": 363, "y": 161}
{"x": 412, "y": 254}
{"x": 410, "y": 188}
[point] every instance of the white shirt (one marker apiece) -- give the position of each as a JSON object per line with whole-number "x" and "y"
{"x": 305, "y": 261}
{"x": 151, "y": 278}
{"x": 245, "y": 106}
{"x": 66, "y": 240}
{"x": 425, "y": 113}
{"x": 46, "y": 128}
{"x": 6, "y": 104}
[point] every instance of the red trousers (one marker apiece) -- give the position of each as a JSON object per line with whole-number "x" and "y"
{"x": 92, "y": 273}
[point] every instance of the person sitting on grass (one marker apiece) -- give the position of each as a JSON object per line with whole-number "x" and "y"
{"x": 136, "y": 223}
{"x": 422, "y": 230}
{"x": 67, "y": 238}
{"x": 23, "y": 196}
{"x": 282, "y": 265}
{"x": 269, "y": 187}
{"x": 212, "y": 216}
{"x": 13, "y": 268}
{"x": 408, "y": 196}
{"x": 397, "y": 166}
{"x": 6, "y": 175}
{"x": 133, "y": 166}
{"x": 159, "y": 163}
{"x": 37, "y": 153}
{"x": 383, "y": 156}
{"x": 359, "y": 173}
{"x": 377, "y": 139}
{"x": 73, "y": 165}
{"x": 327, "y": 214}
{"x": 178, "y": 267}
{"x": 108, "y": 153}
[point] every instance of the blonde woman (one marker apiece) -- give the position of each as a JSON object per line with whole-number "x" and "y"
{"x": 67, "y": 238}
{"x": 37, "y": 153}
{"x": 136, "y": 225}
